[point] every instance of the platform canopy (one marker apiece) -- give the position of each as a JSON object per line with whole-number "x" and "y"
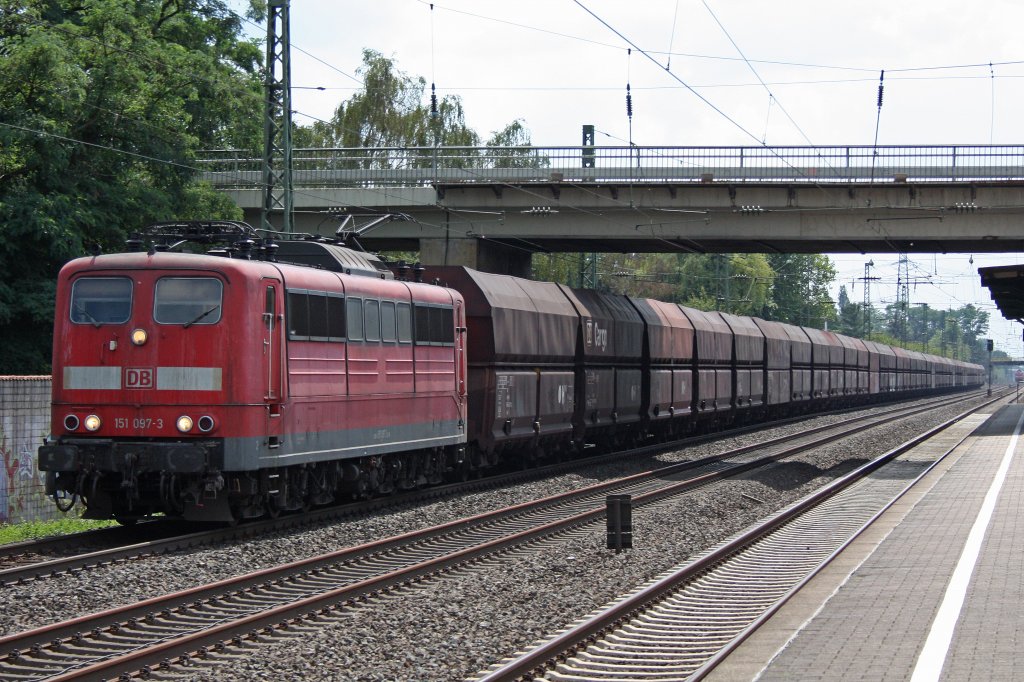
{"x": 1006, "y": 285}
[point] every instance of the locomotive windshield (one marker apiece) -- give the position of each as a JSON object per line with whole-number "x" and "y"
{"x": 101, "y": 300}
{"x": 187, "y": 300}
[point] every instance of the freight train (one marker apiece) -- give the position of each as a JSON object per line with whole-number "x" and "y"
{"x": 273, "y": 376}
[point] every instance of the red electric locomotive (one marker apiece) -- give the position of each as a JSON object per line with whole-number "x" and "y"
{"x": 218, "y": 388}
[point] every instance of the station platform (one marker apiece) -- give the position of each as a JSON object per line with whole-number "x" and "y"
{"x": 934, "y": 590}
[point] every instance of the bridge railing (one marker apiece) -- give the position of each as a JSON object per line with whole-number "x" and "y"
{"x": 426, "y": 166}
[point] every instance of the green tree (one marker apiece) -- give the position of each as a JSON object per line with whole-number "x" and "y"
{"x": 643, "y": 275}
{"x": 736, "y": 283}
{"x": 510, "y": 148}
{"x": 955, "y": 333}
{"x": 800, "y": 291}
{"x": 851, "y": 316}
{"x": 555, "y": 267}
{"x": 391, "y": 112}
{"x": 102, "y": 108}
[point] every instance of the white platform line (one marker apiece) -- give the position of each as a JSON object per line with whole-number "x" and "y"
{"x": 936, "y": 648}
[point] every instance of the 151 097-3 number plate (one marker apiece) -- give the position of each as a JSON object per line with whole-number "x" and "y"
{"x": 138, "y": 423}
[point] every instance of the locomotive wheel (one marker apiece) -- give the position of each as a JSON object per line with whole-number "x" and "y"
{"x": 273, "y": 510}
{"x": 64, "y": 502}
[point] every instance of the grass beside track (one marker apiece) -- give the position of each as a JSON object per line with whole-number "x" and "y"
{"x": 17, "y": 532}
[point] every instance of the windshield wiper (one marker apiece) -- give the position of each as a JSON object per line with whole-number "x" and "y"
{"x": 79, "y": 308}
{"x": 199, "y": 317}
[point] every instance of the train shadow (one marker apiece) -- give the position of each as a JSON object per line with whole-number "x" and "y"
{"x": 1002, "y": 423}
{"x": 787, "y": 476}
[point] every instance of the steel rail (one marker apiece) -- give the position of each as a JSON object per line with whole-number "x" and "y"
{"x": 543, "y": 658}
{"x": 179, "y": 542}
{"x": 20, "y": 573}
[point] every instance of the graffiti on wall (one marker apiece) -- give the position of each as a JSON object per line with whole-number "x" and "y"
{"x": 22, "y": 493}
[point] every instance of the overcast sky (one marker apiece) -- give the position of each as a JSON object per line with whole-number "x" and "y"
{"x": 780, "y": 73}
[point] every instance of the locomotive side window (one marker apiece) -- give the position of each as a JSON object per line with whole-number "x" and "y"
{"x": 442, "y": 325}
{"x": 101, "y": 300}
{"x": 422, "y": 325}
{"x": 335, "y": 318}
{"x": 315, "y": 316}
{"x": 298, "y": 316}
{"x": 371, "y": 314}
{"x": 187, "y": 300}
{"x": 354, "y": 315}
{"x": 387, "y": 321}
{"x": 435, "y": 325}
{"x": 404, "y": 323}
{"x": 269, "y": 308}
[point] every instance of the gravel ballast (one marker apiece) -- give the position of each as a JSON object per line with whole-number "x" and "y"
{"x": 451, "y": 629}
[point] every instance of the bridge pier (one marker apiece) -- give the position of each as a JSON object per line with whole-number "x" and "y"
{"x": 476, "y": 253}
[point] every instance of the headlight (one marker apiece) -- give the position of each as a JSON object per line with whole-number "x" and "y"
{"x": 139, "y": 336}
{"x": 205, "y": 423}
{"x": 71, "y": 422}
{"x": 184, "y": 424}
{"x": 92, "y": 423}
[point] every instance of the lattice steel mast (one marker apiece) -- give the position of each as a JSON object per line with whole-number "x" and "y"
{"x": 866, "y": 301}
{"x": 277, "y": 119}
{"x": 902, "y": 297}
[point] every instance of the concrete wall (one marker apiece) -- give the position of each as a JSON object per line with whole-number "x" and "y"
{"x": 24, "y": 422}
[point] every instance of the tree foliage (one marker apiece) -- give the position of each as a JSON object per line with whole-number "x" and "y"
{"x": 956, "y": 333}
{"x": 800, "y": 289}
{"x": 390, "y": 110}
{"x": 851, "y": 320}
{"x": 103, "y": 106}
{"x": 393, "y": 112}
{"x": 743, "y": 284}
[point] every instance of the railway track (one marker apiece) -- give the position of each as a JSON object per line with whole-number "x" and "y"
{"x": 681, "y": 625}
{"x": 176, "y": 628}
{"x": 38, "y": 559}
{"x": 44, "y": 549}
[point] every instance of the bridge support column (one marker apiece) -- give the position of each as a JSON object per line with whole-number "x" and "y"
{"x": 478, "y": 254}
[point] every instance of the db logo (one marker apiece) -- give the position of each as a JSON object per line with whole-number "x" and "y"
{"x": 138, "y": 378}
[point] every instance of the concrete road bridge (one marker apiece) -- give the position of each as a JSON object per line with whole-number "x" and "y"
{"x": 491, "y": 208}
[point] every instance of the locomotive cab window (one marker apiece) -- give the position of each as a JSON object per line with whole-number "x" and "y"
{"x": 188, "y": 300}
{"x": 101, "y": 300}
